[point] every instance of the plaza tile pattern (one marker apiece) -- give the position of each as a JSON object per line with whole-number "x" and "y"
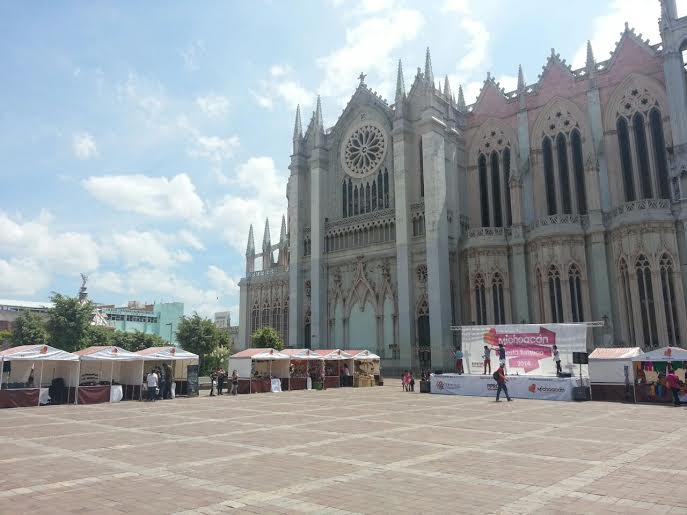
{"x": 369, "y": 450}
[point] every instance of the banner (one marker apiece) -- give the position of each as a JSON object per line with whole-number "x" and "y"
{"x": 529, "y": 347}
{"x": 519, "y": 387}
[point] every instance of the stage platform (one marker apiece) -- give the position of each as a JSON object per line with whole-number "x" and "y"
{"x": 519, "y": 387}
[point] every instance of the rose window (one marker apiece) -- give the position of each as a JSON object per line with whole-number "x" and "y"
{"x": 364, "y": 151}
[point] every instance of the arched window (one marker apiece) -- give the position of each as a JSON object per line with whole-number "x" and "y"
{"x": 555, "y": 295}
{"x": 627, "y": 298}
{"x": 659, "y": 143}
{"x": 540, "y": 295}
{"x": 506, "y": 185}
{"x": 255, "y": 318}
{"x": 483, "y": 190}
{"x": 276, "y": 317}
{"x": 642, "y": 155}
{"x": 578, "y": 171}
{"x": 422, "y": 171}
{"x": 480, "y": 300}
{"x": 386, "y": 188}
{"x": 380, "y": 182}
{"x": 374, "y": 195}
{"x": 496, "y": 189}
{"x": 549, "y": 182}
{"x": 575, "y": 284}
{"x": 646, "y": 302}
{"x": 344, "y": 196}
{"x": 626, "y": 159}
{"x": 265, "y": 315}
{"x": 350, "y": 198}
{"x": 368, "y": 200}
{"x": 497, "y": 297}
{"x": 563, "y": 172}
{"x": 285, "y": 320}
{"x": 356, "y": 206}
{"x": 668, "y": 289}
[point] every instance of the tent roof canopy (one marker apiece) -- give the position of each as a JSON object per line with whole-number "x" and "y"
{"x": 37, "y": 353}
{"x": 302, "y": 354}
{"x": 615, "y": 353}
{"x": 331, "y": 354}
{"x": 362, "y": 355}
{"x": 107, "y": 353}
{"x": 664, "y": 354}
{"x": 260, "y": 354}
{"x": 166, "y": 353}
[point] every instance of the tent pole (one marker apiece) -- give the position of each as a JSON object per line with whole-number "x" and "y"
{"x": 111, "y": 378}
{"x": 40, "y": 382}
{"x": 2, "y": 369}
{"x": 78, "y": 383}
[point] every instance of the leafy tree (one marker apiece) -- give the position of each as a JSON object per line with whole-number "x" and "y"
{"x": 136, "y": 341}
{"x": 100, "y": 335}
{"x": 69, "y": 322}
{"x": 217, "y": 358}
{"x": 201, "y": 336}
{"x": 5, "y": 337}
{"x": 29, "y": 329}
{"x": 267, "y": 337}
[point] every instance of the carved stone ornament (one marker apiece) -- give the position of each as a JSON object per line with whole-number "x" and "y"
{"x": 364, "y": 149}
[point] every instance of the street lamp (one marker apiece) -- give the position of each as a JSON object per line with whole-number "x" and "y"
{"x": 170, "y": 332}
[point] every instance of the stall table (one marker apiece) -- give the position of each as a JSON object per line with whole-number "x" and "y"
{"x": 122, "y": 369}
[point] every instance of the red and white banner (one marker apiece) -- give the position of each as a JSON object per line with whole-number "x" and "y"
{"x": 529, "y": 347}
{"x": 519, "y": 387}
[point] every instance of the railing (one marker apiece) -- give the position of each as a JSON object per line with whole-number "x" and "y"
{"x": 479, "y": 232}
{"x": 639, "y": 205}
{"x": 559, "y": 220}
{"x": 353, "y": 221}
{"x": 270, "y": 271}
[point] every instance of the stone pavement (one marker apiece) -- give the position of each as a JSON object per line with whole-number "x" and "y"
{"x": 368, "y": 450}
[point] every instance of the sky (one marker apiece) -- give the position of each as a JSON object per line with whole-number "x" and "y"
{"x": 139, "y": 140}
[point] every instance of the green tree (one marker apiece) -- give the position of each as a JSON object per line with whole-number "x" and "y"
{"x": 137, "y": 341}
{"x": 29, "y": 329}
{"x": 201, "y": 336}
{"x": 217, "y": 358}
{"x": 5, "y": 337}
{"x": 267, "y": 337}
{"x": 100, "y": 335}
{"x": 69, "y": 322}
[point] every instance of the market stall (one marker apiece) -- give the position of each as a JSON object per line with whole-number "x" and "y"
{"x": 178, "y": 359}
{"x": 301, "y": 363}
{"x": 336, "y": 363}
{"x": 611, "y": 373}
{"x": 650, "y": 370}
{"x": 109, "y": 374}
{"x": 259, "y": 370}
{"x": 32, "y": 375}
{"x": 366, "y": 368}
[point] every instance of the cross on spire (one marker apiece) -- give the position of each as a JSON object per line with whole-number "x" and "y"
{"x": 362, "y": 77}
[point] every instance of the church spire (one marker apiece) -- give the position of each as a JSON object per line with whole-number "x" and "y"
{"x": 591, "y": 62}
{"x": 461, "y": 99}
{"x": 250, "y": 248}
{"x": 266, "y": 240}
{"x": 297, "y": 131}
{"x": 429, "y": 74}
{"x": 447, "y": 88}
{"x": 266, "y": 247}
{"x": 319, "y": 124}
{"x": 400, "y": 84}
{"x": 282, "y": 234}
{"x": 521, "y": 80}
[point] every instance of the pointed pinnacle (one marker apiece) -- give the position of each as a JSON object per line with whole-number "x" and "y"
{"x": 297, "y": 128}
{"x": 590, "y": 55}
{"x": 521, "y": 79}
{"x": 282, "y": 234}
{"x": 461, "y": 98}
{"x": 447, "y": 88}
{"x": 318, "y": 114}
{"x": 250, "y": 248}
{"x": 429, "y": 74}
{"x": 400, "y": 83}
{"x": 266, "y": 240}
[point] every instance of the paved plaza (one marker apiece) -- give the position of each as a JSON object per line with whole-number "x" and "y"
{"x": 368, "y": 450}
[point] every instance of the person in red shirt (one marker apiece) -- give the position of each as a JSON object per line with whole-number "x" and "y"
{"x": 500, "y": 376}
{"x": 673, "y": 383}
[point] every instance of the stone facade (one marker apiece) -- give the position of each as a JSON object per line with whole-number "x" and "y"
{"x": 560, "y": 201}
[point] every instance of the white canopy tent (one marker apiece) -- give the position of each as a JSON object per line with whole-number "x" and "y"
{"x": 302, "y": 363}
{"x": 651, "y": 368}
{"x": 259, "y": 366}
{"x": 180, "y": 360}
{"x": 667, "y": 354}
{"x": 30, "y": 368}
{"x": 106, "y": 369}
{"x": 366, "y": 366}
{"x": 612, "y": 373}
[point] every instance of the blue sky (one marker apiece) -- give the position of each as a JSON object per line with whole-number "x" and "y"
{"x": 138, "y": 140}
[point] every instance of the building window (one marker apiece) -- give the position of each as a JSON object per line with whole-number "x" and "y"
{"x": 350, "y": 198}
{"x": 555, "y": 295}
{"x": 578, "y": 171}
{"x": 563, "y": 172}
{"x": 668, "y": 289}
{"x": 575, "y": 284}
{"x": 646, "y": 302}
{"x": 344, "y": 196}
{"x": 627, "y": 298}
{"x": 265, "y": 315}
{"x": 480, "y": 300}
{"x": 483, "y": 190}
{"x": 642, "y": 155}
{"x": 497, "y": 297}
{"x": 374, "y": 195}
{"x": 255, "y": 318}
{"x": 549, "y": 181}
{"x": 496, "y": 189}
{"x": 506, "y": 185}
{"x": 368, "y": 200}
{"x": 422, "y": 172}
{"x": 380, "y": 192}
{"x": 386, "y": 188}
{"x": 285, "y": 320}
{"x": 659, "y": 143}
{"x": 540, "y": 295}
{"x": 626, "y": 159}
{"x": 356, "y": 210}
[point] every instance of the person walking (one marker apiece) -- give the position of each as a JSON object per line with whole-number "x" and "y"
{"x": 459, "y": 362}
{"x": 411, "y": 381}
{"x": 404, "y": 380}
{"x": 500, "y": 376}
{"x": 221, "y": 376}
{"x": 487, "y": 359}
{"x": 152, "y": 381}
{"x": 557, "y": 359}
{"x": 213, "y": 382}
{"x": 167, "y": 394}
{"x": 673, "y": 383}
{"x": 234, "y": 382}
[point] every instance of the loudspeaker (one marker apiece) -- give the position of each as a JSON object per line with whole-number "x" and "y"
{"x": 565, "y": 374}
{"x": 580, "y": 358}
{"x": 581, "y": 393}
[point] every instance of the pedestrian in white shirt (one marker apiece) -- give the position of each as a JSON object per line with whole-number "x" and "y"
{"x": 152, "y": 386}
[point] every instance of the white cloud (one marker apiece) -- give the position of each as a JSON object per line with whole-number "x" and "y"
{"x": 135, "y": 248}
{"x": 187, "y": 237}
{"x": 477, "y": 46}
{"x": 214, "y": 148}
{"x": 213, "y": 105}
{"x": 157, "y": 197}
{"x": 221, "y": 281}
{"x": 369, "y": 46}
{"x": 281, "y": 86}
{"x": 279, "y": 70}
{"x": 456, "y": 6}
{"x": 84, "y": 146}
{"x": 508, "y": 82}
{"x": 107, "y": 281}
{"x": 144, "y": 95}
{"x": 22, "y": 277}
{"x": 192, "y": 53}
{"x": 640, "y": 14}
{"x": 263, "y": 100}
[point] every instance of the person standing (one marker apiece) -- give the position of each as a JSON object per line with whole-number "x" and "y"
{"x": 487, "y": 359}
{"x": 673, "y": 383}
{"x": 404, "y": 380}
{"x": 221, "y": 376}
{"x": 234, "y": 382}
{"x": 459, "y": 362}
{"x": 500, "y": 376}
{"x": 411, "y": 381}
{"x": 152, "y": 381}
{"x": 557, "y": 359}
{"x": 167, "y": 394}
{"x": 213, "y": 382}
{"x": 502, "y": 355}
